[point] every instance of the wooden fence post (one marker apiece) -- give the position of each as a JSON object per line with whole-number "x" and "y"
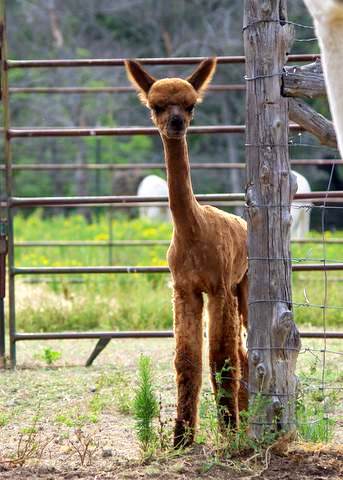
{"x": 273, "y": 339}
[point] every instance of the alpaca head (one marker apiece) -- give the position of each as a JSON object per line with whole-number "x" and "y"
{"x": 171, "y": 100}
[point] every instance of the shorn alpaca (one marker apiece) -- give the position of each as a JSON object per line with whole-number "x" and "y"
{"x": 208, "y": 254}
{"x": 153, "y": 186}
{"x": 300, "y": 210}
{"x": 328, "y": 21}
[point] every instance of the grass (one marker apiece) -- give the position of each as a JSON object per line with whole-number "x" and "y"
{"x": 129, "y": 302}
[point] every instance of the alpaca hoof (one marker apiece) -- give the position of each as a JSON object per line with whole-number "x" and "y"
{"x": 183, "y": 435}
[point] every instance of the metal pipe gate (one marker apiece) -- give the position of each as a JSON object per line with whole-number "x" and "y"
{"x": 10, "y": 203}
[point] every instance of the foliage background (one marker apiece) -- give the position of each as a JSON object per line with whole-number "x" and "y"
{"x": 131, "y": 28}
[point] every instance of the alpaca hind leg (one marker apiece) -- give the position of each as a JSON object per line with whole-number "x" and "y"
{"x": 188, "y": 328}
{"x": 224, "y": 331}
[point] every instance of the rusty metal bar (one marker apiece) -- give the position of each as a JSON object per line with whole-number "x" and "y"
{"x": 149, "y": 166}
{"x": 317, "y": 267}
{"x": 119, "y": 62}
{"x": 114, "y": 243}
{"x": 121, "y": 89}
{"x": 310, "y": 267}
{"x": 93, "y": 200}
{"x": 136, "y": 334}
{"x": 139, "y": 243}
{"x": 124, "y": 131}
{"x": 120, "y": 166}
{"x": 3, "y": 229}
{"x": 217, "y": 203}
{"x": 8, "y": 178}
{"x": 318, "y": 161}
{"x": 89, "y": 270}
{"x": 3, "y": 255}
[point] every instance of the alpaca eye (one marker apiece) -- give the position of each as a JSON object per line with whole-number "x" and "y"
{"x": 190, "y": 109}
{"x": 159, "y": 109}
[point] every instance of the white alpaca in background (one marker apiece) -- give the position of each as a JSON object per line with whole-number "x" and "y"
{"x": 328, "y": 21}
{"x": 300, "y": 214}
{"x": 154, "y": 186}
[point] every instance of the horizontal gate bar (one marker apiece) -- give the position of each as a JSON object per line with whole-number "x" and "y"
{"x": 119, "y": 62}
{"x": 123, "y": 131}
{"x": 119, "y": 166}
{"x": 136, "y": 334}
{"x": 119, "y": 243}
{"x": 140, "y": 243}
{"x": 148, "y": 166}
{"x": 103, "y": 200}
{"x": 29, "y": 202}
{"x": 216, "y": 203}
{"x": 79, "y": 270}
{"x": 310, "y": 267}
{"x": 121, "y": 89}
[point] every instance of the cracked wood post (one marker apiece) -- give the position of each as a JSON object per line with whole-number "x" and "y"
{"x": 273, "y": 339}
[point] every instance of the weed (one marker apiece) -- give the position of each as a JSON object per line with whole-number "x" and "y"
{"x": 3, "y": 419}
{"x": 30, "y": 445}
{"x": 145, "y": 405}
{"x": 314, "y": 405}
{"x": 84, "y": 445}
{"x": 226, "y": 442}
{"x": 49, "y": 356}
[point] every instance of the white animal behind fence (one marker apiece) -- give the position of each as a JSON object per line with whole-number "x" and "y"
{"x": 154, "y": 186}
{"x": 300, "y": 210}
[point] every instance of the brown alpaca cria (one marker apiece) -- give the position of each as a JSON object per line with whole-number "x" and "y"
{"x": 208, "y": 254}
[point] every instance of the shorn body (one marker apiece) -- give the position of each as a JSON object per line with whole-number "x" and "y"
{"x": 207, "y": 255}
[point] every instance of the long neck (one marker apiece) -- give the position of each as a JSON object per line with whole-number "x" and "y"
{"x": 182, "y": 202}
{"x": 331, "y": 39}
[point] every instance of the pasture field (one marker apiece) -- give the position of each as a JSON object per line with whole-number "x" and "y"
{"x": 135, "y": 301}
{"x": 55, "y": 413}
{"x": 60, "y": 420}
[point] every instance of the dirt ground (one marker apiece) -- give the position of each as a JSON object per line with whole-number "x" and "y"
{"x": 299, "y": 464}
{"x": 58, "y": 395}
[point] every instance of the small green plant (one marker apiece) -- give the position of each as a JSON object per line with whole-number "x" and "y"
{"x": 3, "y": 419}
{"x": 49, "y": 356}
{"x": 145, "y": 405}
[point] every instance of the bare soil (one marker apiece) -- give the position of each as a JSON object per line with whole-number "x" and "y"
{"x": 55, "y": 395}
{"x": 298, "y": 464}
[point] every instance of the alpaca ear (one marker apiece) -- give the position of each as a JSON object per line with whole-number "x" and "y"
{"x": 202, "y": 76}
{"x": 139, "y": 78}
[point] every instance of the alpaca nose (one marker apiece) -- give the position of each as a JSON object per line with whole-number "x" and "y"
{"x": 176, "y": 121}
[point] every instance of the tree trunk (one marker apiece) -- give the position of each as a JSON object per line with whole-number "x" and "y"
{"x": 273, "y": 339}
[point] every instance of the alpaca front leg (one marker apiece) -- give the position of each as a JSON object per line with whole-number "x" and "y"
{"x": 224, "y": 341}
{"x": 188, "y": 328}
